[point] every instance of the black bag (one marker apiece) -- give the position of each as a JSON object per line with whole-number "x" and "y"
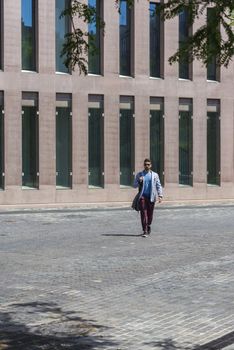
{"x": 136, "y": 200}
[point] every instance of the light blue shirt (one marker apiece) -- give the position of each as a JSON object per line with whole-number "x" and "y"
{"x": 147, "y": 184}
{"x": 156, "y": 188}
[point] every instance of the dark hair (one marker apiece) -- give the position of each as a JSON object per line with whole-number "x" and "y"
{"x": 147, "y": 160}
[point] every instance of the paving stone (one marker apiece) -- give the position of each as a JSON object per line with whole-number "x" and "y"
{"x": 72, "y": 280}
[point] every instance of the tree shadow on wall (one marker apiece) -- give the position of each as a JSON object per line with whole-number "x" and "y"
{"x": 48, "y": 328}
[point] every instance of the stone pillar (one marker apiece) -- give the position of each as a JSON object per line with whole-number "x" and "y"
{"x": 111, "y": 139}
{"x": 46, "y": 36}
{"x": 47, "y": 139}
{"x": 13, "y": 138}
{"x": 142, "y": 132}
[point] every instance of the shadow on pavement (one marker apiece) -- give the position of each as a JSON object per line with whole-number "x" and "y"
{"x": 220, "y": 343}
{"x": 168, "y": 344}
{"x": 217, "y": 344}
{"x": 48, "y": 328}
{"x": 120, "y": 235}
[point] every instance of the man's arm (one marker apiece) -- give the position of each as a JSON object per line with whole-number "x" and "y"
{"x": 137, "y": 180}
{"x": 159, "y": 188}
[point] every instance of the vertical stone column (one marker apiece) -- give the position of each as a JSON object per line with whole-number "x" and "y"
{"x": 171, "y": 141}
{"x": 111, "y": 40}
{"x": 199, "y": 139}
{"x": 171, "y": 102}
{"x": 13, "y": 139}
{"x": 227, "y": 143}
{"x": 142, "y": 132}
{"x": 76, "y": 112}
{"x": 199, "y": 121}
{"x": 47, "y": 97}
{"x": 47, "y": 140}
{"x": 171, "y": 42}
{"x": 80, "y": 136}
{"x": 226, "y": 88}
{"x": 141, "y": 38}
{"x": 111, "y": 140}
{"x": 46, "y": 36}
{"x": 12, "y": 36}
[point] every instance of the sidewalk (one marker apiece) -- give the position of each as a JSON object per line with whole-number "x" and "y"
{"x": 112, "y": 205}
{"x": 86, "y": 279}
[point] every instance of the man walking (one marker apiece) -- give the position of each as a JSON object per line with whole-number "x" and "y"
{"x": 149, "y": 183}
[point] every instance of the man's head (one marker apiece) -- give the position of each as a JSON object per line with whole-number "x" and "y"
{"x": 147, "y": 164}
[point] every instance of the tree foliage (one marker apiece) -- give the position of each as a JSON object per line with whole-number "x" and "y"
{"x": 79, "y": 42}
{"x": 213, "y": 39}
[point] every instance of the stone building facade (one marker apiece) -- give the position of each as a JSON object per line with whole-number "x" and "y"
{"x": 44, "y": 92}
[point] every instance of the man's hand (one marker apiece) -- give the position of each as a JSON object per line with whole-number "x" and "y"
{"x": 141, "y": 179}
{"x": 159, "y": 199}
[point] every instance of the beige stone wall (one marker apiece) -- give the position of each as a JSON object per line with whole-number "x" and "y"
{"x": 47, "y": 83}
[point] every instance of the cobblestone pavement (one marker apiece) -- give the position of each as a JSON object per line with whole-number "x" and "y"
{"x": 79, "y": 280}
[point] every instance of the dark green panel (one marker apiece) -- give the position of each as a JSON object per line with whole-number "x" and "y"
{"x": 1, "y": 148}
{"x": 62, "y": 28}
{"x": 30, "y": 147}
{"x": 126, "y": 147}
{"x": 28, "y": 32}
{"x": 1, "y": 34}
{"x": 213, "y": 148}
{"x": 125, "y": 39}
{"x": 63, "y": 147}
{"x": 96, "y": 155}
{"x": 94, "y": 59}
{"x": 212, "y": 70}
{"x": 211, "y": 66}
{"x": 155, "y": 44}
{"x": 157, "y": 142}
{"x": 185, "y": 148}
{"x": 183, "y": 38}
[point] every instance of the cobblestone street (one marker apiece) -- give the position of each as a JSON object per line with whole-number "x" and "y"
{"x": 84, "y": 279}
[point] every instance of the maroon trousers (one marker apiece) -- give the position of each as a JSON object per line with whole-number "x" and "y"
{"x": 147, "y": 211}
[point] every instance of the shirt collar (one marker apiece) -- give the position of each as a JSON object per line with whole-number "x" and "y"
{"x": 145, "y": 172}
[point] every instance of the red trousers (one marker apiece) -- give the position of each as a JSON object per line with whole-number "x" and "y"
{"x": 147, "y": 211}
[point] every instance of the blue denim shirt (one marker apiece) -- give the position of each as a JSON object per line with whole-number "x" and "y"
{"x": 156, "y": 187}
{"x": 147, "y": 184}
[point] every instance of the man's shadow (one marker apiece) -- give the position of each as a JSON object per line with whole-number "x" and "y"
{"x": 120, "y": 235}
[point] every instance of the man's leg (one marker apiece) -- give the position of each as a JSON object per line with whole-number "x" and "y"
{"x": 150, "y": 213}
{"x": 144, "y": 217}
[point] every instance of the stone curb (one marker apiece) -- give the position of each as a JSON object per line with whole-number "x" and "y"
{"x": 77, "y": 207}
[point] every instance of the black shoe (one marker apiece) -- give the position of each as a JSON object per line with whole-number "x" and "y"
{"x": 149, "y": 230}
